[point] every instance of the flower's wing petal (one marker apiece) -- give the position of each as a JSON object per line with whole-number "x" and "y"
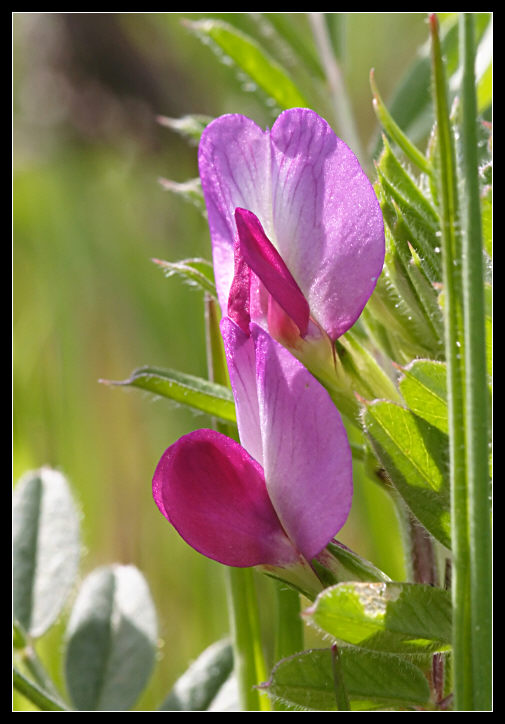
{"x": 234, "y": 166}
{"x": 266, "y": 262}
{"x": 214, "y": 495}
{"x": 327, "y": 221}
{"x": 240, "y": 357}
{"x": 306, "y": 454}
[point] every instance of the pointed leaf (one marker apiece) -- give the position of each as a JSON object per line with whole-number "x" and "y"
{"x": 414, "y": 455}
{"x": 372, "y": 680}
{"x": 250, "y": 58}
{"x": 188, "y": 190}
{"x": 202, "y": 681}
{"x": 424, "y": 389}
{"x": 195, "y": 392}
{"x": 111, "y": 640}
{"x": 190, "y": 126}
{"x": 46, "y": 548}
{"x": 395, "y": 132}
{"x": 392, "y": 617}
{"x": 197, "y": 272}
{"x": 420, "y": 217}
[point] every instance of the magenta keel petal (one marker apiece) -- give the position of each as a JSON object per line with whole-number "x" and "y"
{"x": 214, "y": 495}
{"x": 266, "y": 262}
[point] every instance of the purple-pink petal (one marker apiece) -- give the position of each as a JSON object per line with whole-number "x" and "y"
{"x": 241, "y": 360}
{"x": 313, "y": 200}
{"x": 214, "y": 495}
{"x": 327, "y": 220}
{"x": 265, "y": 261}
{"x": 306, "y": 455}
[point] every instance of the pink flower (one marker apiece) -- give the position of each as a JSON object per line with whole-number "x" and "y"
{"x": 297, "y": 231}
{"x": 281, "y": 496}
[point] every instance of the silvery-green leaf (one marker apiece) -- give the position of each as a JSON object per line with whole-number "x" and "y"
{"x": 111, "y": 640}
{"x": 46, "y": 548}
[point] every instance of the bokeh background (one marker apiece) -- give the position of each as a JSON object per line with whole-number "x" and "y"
{"x": 88, "y": 216}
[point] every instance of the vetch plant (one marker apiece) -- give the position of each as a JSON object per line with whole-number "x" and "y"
{"x": 348, "y": 338}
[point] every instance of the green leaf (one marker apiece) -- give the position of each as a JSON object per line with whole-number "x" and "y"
{"x": 419, "y": 216}
{"x": 195, "y": 392}
{"x": 395, "y": 132}
{"x": 417, "y": 298}
{"x": 46, "y": 548}
{"x": 411, "y": 104}
{"x": 367, "y": 377}
{"x": 263, "y": 71}
{"x": 415, "y": 456}
{"x": 289, "y": 30}
{"x": 372, "y": 680}
{"x": 406, "y": 618}
{"x": 188, "y": 190}
{"x": 197, "y": 687}
{"x": 111, "y": 640}
{"x": 190, "y": 126}
{"x": 424, "y": 389}
{"x": 196, "y": 272}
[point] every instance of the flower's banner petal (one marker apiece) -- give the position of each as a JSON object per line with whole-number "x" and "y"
{"x": 327, "y": 221}
{"x": 234, "y": 165}
{"x": 266, "y": 262}
{"x": 313, "y": 200}
{"x": 215, "y": 496}
{"x": 306, "y": 454}
{"x": 240, "y": 357}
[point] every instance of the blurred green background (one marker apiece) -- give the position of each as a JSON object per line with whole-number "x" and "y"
{"x": 88, "y": 217}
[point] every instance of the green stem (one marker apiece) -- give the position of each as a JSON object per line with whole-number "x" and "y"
{"x": 289, "y": 625}
{"x": 249, "y": 663}
{"x": 476, "y": 379}
{"x": 24, "y": 649}
{"x": 340, "y": 691}
{"x": 451, "y": 258}
{"x": 35, "y": 694}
